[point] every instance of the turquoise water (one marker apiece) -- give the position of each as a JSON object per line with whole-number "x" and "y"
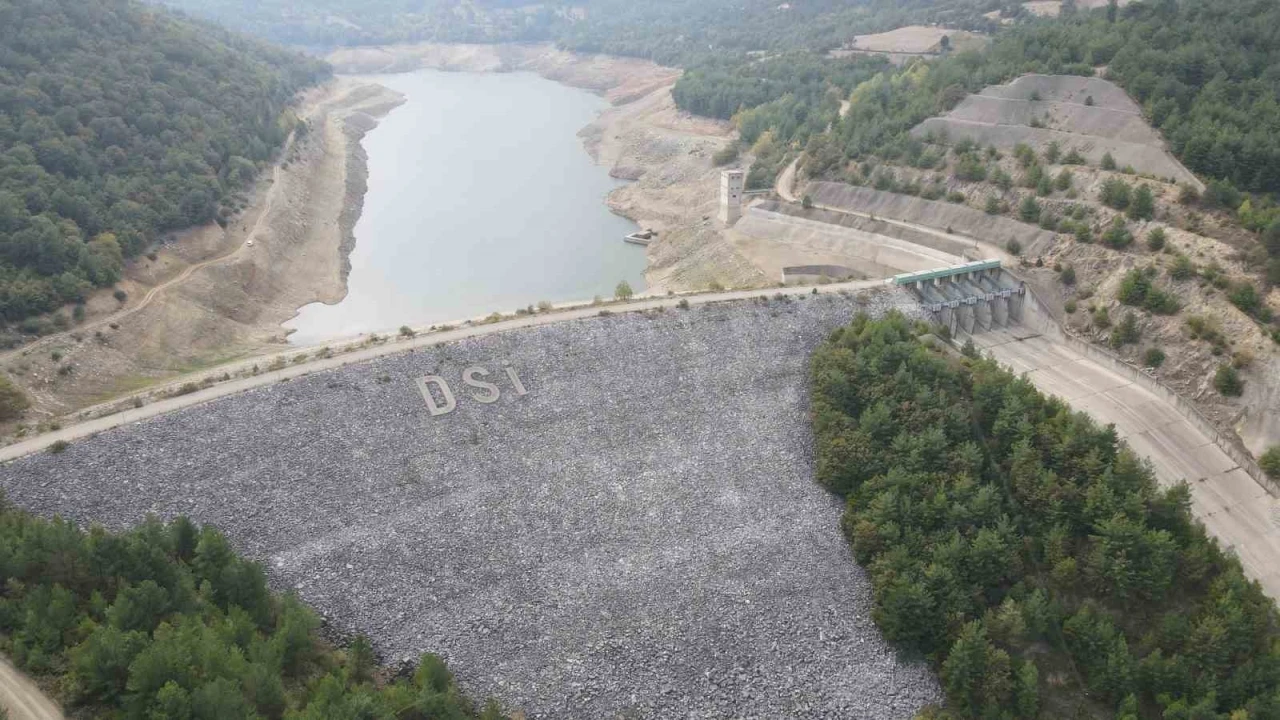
{"x": 481, "y": 198}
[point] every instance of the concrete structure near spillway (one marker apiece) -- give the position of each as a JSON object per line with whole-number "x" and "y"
{"x": 973, "y": 297}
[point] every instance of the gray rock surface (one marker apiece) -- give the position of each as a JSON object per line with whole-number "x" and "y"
{"x": 637, "y": 536}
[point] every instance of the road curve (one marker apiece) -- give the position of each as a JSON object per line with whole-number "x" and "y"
{"x": 231, "y": 387}
{"x": 22, "y": 698}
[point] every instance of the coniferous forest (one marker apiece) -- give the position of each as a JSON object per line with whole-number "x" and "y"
{"x": 119, "y": 123}
{"x": 166, "y": 621}
{"x": 1024, "y": 550}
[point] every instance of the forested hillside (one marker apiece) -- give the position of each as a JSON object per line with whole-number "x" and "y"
{"x": 118, "y": 123}
{"x": 166, "y": 621}
{"x": 1024, "y": 550}
{"x": 669, "y": 31}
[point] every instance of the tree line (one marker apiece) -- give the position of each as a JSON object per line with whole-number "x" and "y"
{"x": 1024, "y": 550}
{"x": 167, "y": 621}
{"x": 119, "y": 123}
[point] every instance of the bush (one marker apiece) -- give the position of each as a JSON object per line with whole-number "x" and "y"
{"x": 1136, "y": 289}
{"x": 1153, "y": 358}
{"x": 806, "y": 202}
{"x": 1227, "y": 381}
{"x": 1115, "y": 194}
{"x": 1144, "y": 204}
{"x": 1068, "y": 276}
{"x": 1117, "y": 236}
{"x": 406, "y": 331}
{"x": 1029, "y": 210}
{"x": 1270, "y": 462}
{"x": 1101, "y": 318}
{"x": 994, "y": 206}
{"x": 1014, "y": 247}
{"x": 955, "y": 197}
{"x": 58, "y": 447}
{"x": 120, "y": 295}
{"x": 1108, "y": 162}
{"x": 623, "y": 291}
{"x": 1127, "y": 332}
{"x": 1071, "y": 306}
{"x": 1155, "y": 239}
{"x": 728, "y": 154}
{"x": 1182, "y": 268}
{"x": 1246, "y": 297}
{"x": 12, "y": 401}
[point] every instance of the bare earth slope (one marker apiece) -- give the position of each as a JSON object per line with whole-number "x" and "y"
{"x": 1001, "y": 115}
{"x": 214, "y": 293}
{"x": 638, "y": 535}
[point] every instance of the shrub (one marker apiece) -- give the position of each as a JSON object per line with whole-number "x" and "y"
{"x": 1153, "y": 358}
{"x": 406, "y": 331}
{"x": 955, "y": 197}
{"x": 1127, "y": 332}
{"x": 1014, "y": 247}
{"x": 993, "y": 206}
{"x": 1227, "y": 381}
{"x": 1182, "y": 268}
{"x": 1245, "y": 296}
{"x": 1101, "y": 318}
{"x": 120, "y": 295}
{"x": 1270, "y": 461}
{"x": 729, "y": 153}
{"x": 1053, "y": 152}
{"x": 1188, "y": 194}
{"x": 1144, "y": 204}
{"x": 1029, "y": 210}
{"x": 1155, "y": 239}
{"x": 1108, "y": 162}
{"x": 683, "y": 304}
{"x": 1064, "y": 181}
{"x": 1073, "y": 158}
{"x": 1118, "y": 235}
{"x": 1136, "y": 289}
{"x": 1071, "y": 306}
{"x": 623, "y": 291}
{"x": 1115, "y": 193}
{"x": 806, "y": 202}
{"x": 545, "y": 306}
{"x": 58, "y": 447}
{"x": 1084, "y": 233}
{"x": 12, "y": 401}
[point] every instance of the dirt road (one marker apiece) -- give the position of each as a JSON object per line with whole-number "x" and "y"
{"x": 259, "y": 224}
{"x": 22, "y": 698}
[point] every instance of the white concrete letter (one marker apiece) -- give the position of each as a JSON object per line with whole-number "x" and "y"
{"x": 491, "y": 392}
{"x": 515, "y": 380}
{"x": 424, "y": 386}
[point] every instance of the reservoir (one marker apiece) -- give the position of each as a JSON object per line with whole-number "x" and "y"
{"x": 481, "y": 198}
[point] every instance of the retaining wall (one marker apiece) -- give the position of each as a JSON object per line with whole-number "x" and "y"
{"x": 1037, "y": 317}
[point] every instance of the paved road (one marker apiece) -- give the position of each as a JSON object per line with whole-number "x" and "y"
{"x": 575, "y": 312}
{"x": 22, "y": 698}
{"x": 1231, "y": 504}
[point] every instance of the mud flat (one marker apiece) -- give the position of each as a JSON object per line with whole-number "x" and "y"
{"x": 638, "y": 534}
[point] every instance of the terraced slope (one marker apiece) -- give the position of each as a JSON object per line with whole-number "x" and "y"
{"x": 1090, "y": 115}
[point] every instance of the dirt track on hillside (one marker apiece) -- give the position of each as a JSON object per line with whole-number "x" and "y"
{"x": 215, "y": 293}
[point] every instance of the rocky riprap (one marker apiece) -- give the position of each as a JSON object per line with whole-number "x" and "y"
{"x": 638, "y": 536}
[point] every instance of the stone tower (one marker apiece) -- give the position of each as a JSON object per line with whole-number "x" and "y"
{"x": 731, "y": 185}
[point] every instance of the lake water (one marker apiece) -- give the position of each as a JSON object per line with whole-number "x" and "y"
{"x": 481, "y": 198}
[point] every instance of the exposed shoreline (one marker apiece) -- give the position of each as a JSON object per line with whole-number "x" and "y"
{"x": 213, "y": 295}
{"x": 642, "y": 137}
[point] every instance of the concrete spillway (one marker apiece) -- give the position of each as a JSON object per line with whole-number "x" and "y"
{"x": 972, "y": 298}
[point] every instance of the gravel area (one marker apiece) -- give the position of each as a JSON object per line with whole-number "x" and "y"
{"x": 637, "y": 536}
